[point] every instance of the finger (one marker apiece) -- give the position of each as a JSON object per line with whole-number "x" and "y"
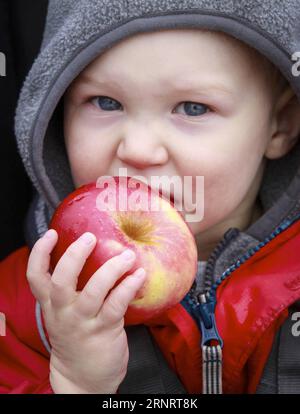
{"x": 65, "y": 276}
{"x": 115, "y": 306}
{"x": 37, "y": 274}
{"x": 103, "y": 280}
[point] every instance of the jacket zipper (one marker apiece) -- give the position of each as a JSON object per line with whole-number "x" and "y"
{"x": 209, "y": 269}
{"x": 203, "y": 310}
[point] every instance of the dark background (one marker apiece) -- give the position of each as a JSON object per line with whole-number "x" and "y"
{"x": 21, "y": 28}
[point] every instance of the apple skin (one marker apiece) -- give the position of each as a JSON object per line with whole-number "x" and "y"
{"x": 162, "y": 241}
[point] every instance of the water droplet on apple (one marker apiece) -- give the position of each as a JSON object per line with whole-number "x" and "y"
{"x": 78, "y": 198}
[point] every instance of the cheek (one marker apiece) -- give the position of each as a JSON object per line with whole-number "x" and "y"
{"x": 227, "y": 181}
{"x": 89, "y": 149}
{"x": 229, "y": 167}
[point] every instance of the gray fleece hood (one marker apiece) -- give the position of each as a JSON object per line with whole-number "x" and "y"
{"x": 77, "y": 32}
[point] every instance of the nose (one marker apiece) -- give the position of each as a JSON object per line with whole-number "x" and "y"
{"x": 141, "y": 147}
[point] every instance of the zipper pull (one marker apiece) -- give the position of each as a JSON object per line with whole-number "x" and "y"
{"x": 204, "y": 312}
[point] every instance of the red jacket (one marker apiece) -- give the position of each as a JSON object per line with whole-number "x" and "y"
{"x": 252, "y": 304}
{"x": 24, "y": 361}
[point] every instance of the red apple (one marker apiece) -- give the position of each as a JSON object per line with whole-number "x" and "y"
{"x": 162, "y": 241}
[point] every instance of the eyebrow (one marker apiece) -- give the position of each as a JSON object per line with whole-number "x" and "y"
{"x": 182, "y": 87}
{"x": 202, "y": 88}
{"x": 86, "y": 79}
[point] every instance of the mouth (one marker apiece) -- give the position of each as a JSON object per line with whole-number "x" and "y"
{"x": 168, "y": 197}
{"x": 172, "y": 199}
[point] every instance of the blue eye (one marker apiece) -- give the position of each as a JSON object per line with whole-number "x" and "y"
{"x": 106, "y": 104}
{"x": 192, "y": 108}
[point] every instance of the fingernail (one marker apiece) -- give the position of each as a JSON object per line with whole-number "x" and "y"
{"x": 128, "y": 255}
{"x": 49, "y": 234}
{"x": 140, "y": 273}
{"x": 87, "y": 238}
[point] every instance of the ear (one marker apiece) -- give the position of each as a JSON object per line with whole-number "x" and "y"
{"x": 285, "y": 125}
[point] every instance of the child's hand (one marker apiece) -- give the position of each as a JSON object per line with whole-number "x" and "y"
{"x": 86, "y": 331}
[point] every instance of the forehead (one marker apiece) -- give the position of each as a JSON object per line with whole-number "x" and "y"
{"x": 175, "y": 58}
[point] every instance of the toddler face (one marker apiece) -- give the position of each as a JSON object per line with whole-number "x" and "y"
{"x": 175, "y": 103}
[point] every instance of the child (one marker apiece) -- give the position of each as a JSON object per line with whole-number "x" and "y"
{"x": 161, "y": 88}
